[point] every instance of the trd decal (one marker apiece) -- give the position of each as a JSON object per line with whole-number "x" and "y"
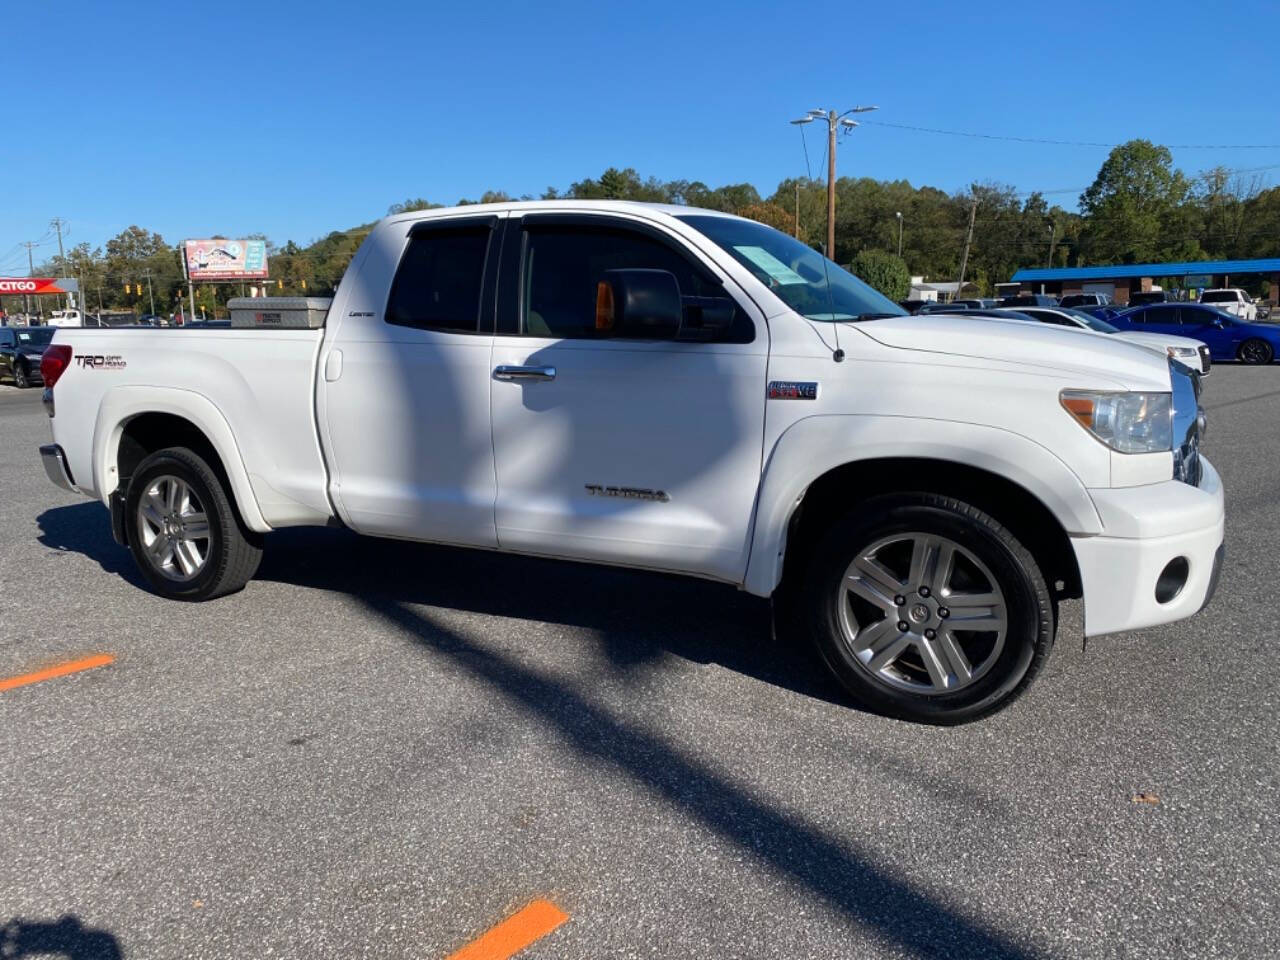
{"x": 630, "y": 493}
{"x": 100, "y": 361}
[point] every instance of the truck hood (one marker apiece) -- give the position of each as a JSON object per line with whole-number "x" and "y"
{"x": 1060, "y": 349}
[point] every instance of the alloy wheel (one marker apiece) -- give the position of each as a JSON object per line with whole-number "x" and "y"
{"x": 174, "y": 528}
{"x": 921, "y": 613}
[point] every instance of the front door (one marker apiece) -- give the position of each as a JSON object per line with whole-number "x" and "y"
{"x": 639, "y": 451}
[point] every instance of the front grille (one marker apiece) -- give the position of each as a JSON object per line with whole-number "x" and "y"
{"x": 1186, "y": 423}
{"x": 1206, "y": 361}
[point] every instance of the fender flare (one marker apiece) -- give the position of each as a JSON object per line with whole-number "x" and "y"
{"x": 122, "y": 404}
{"x": 812, "y": 447}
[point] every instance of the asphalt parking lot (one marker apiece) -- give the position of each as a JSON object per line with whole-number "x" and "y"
{"x": 383, "y": 749}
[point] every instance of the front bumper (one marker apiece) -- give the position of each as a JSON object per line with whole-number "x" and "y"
{"x": 1148, "y": 529}
{"x": 55, "y": 466}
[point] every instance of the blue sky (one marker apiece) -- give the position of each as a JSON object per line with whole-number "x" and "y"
{"x": 295, "y": 118}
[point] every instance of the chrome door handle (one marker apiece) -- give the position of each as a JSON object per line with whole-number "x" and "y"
{"x": 505, "y": 372}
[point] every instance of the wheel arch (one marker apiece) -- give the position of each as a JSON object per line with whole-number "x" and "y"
{"x": 135, "y": 422}
{"x": 824, "y": 470}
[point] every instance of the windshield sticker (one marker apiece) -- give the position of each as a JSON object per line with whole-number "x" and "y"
{"x": 778, "y": 271}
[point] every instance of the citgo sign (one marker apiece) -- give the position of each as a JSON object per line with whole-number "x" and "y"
{"x": 29, "y": 285}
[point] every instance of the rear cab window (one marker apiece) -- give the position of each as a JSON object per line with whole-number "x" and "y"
{"x": 440, "y": 280}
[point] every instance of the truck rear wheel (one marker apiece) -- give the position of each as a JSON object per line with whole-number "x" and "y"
{"x": 927, "y": 609}
{"x": 185, "y": 535}
{"x": 20, "y": 378}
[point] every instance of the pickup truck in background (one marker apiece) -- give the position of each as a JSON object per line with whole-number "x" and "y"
{"x": 677, "y": 390}
{"x": 1232, "y": 300}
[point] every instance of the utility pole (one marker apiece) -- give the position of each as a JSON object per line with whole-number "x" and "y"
{"x": 150, "y": 293}
{"x": 57, "y": 223}
{"x": 835, "y": 121}
{"x": 31, "y": 272}
{"x": 797, "y": 209}
{"x": 899, "y": 215}
{"x": 964, "y": 258}
{"x": 1053, "y": 228}
{"x": 186, "y": 275}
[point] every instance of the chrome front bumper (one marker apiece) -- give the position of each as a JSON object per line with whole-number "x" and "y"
{"x": 55, "y": 465}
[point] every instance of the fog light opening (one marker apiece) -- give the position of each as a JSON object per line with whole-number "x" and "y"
{"x": 1172, "y": 579}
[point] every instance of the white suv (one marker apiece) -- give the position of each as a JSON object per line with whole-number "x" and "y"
{"x": 1233, "y": 300}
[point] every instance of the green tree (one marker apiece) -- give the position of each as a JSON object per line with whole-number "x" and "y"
{"x": 1136, "y": 209}
{"x": 885, "y": 271}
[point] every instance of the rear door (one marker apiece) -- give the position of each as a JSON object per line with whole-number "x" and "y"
{"x": 406, "y": 385}
{"x": 645, "y": 452}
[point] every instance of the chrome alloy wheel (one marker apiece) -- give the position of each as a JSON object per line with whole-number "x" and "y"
{"x": 921, "y": 613}
{"x": 173, "y": 528}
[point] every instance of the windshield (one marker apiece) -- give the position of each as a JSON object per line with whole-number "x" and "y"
{"x": 798, "y": 275}
{"x": 1218, "y": 296}
{"x": 35, "y": 338}
{"x": 1090, "y": 321}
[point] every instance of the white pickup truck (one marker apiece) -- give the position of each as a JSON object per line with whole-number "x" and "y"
{"x": 678, "y": 390}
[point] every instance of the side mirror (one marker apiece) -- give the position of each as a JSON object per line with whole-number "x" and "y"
{"x": 644, "y": 304}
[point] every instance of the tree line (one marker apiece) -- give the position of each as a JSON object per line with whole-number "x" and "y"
{"x": 1140, "y": 208}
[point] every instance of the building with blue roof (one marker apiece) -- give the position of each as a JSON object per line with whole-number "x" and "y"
{"x": 1121, "y": 280}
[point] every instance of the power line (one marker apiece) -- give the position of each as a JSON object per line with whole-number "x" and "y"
{"x": 1067, "y": 143}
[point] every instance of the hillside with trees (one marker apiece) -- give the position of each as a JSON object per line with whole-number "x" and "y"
{"x": 1139, "y": 208}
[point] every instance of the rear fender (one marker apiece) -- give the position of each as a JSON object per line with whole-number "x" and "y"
{"x": 122, "y": 404}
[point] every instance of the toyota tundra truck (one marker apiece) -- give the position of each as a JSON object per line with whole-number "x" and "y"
{"x": 677, "y": 390}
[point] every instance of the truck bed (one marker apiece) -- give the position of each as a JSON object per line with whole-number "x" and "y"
{"x": 253, "y": 388}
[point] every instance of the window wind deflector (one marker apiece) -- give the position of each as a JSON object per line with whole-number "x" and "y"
{"x": 455, "y": 223}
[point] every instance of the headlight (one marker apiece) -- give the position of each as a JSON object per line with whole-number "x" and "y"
{"x": 1125, "y": 422}
{"x": 1178, "y": 353}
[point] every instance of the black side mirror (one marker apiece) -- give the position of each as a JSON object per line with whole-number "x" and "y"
{"x": 644, "y": 304}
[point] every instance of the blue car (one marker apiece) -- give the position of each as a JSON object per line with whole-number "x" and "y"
{"x": 1227, "y": 337}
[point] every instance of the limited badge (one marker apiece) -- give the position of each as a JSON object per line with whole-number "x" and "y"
{"x": 793, "y": 390}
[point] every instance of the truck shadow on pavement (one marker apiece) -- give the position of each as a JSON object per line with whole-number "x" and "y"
{"x": 638, "y": 617}
{"x": 63, "y": 939}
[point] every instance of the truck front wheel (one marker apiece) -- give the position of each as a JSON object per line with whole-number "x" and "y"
{"x": 185, "y": 535}
{"x": 926, "y": 608}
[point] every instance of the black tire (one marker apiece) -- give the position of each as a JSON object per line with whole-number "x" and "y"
{"x": 233, "y": 551}
{"x": 20, "y": 378}
{"x": 1255, "y": 350}
{"x": 1008, "y": 668}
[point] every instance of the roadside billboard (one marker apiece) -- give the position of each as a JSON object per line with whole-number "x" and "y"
{"x": 221, "y": 259}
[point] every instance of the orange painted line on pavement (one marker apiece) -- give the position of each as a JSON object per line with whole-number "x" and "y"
{"x": 61, "y": 670}
{"x": 515, "y": 933}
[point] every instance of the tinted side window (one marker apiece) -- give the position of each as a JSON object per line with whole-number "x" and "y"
{"x": 6, "y": 338}
{"x": 563, "y": 265}
{"x": 1138, "y": 316}
{"x": 439, "y": 281}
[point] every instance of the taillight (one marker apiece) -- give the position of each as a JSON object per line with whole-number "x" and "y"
{"x": 56, "y": 359}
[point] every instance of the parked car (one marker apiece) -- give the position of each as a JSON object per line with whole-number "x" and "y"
{"x": 20, "y": 351}
{"x": 1193, "y": 353}
{"x": 952, "y": 307}
{"x": 1151, "y": 296}
{"x": 1029, "y": 300}
{"x": 1086, "y": 300}
{"x": 689, "y": 392}
{"x": 1227, "y": 337}
{"x": 1233, "y": 300}
{"x": 914, "y": 306}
